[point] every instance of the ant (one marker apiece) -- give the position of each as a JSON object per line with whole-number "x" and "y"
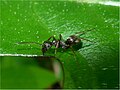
{"x": 73, "y": 40}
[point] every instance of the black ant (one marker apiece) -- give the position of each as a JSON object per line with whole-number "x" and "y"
{"x": 73, "y": 40}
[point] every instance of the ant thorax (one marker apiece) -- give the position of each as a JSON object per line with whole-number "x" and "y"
{"x": 54, "y": 42}
{"x": 59, "y": 44}
{"x": 64, "y": 45}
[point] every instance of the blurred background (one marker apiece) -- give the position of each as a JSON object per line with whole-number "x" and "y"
{"x": 30, "y": 73}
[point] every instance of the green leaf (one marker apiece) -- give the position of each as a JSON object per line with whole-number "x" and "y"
{"x": 24, "y": 72}
{"x": 95, "y": 66}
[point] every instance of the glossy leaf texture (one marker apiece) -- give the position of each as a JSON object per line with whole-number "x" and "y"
{"x": 95, "y": 65}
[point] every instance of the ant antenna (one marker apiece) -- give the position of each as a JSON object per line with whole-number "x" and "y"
{"x": 28, "y": 43}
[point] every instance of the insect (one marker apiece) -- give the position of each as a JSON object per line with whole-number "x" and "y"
{"x": 72, "y": 41}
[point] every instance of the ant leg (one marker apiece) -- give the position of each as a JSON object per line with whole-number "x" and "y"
{"x": 73, "y": 51}
{"x": 87, "y": 40}
{"x": 57, "y": 45}
{"x": 54, "y": 38}
{"x": 83, "y": 32}
{"x": 87, "y": 45}
{"x": 43, "y": 53}
{"x": 51, "y": 37}
{"x": 55, "y": 50}
{"x": 75, "y": 56}
{"x": 60, "y": 36}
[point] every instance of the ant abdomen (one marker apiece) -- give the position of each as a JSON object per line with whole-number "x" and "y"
{"x": 77, "y": 46}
